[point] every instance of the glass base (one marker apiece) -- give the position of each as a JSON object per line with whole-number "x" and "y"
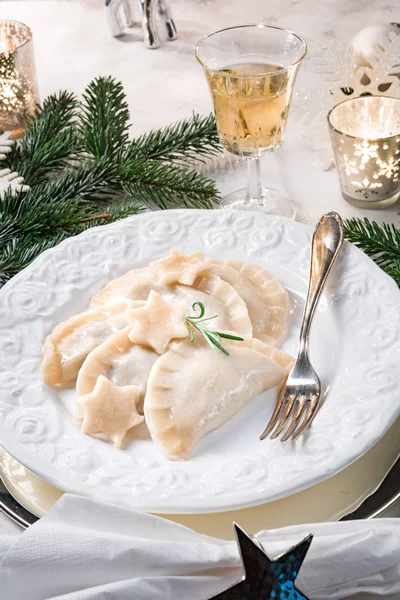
{"x": 272, "y": 202}
{"x": 368, "y": 204}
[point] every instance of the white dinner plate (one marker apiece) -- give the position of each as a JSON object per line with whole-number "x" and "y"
{"x": 355, "y": 348}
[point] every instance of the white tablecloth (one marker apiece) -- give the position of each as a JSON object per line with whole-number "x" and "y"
{"x": 73, "y": 45}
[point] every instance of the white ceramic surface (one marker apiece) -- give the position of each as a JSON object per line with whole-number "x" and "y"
{"x": 355, "y": 348}
{"x": 329, "y": 500}
{"x": 76, "y": 32}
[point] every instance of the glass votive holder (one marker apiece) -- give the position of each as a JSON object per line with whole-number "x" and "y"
{"x": 18, "y": 84}
{"x": 365, "y": 135}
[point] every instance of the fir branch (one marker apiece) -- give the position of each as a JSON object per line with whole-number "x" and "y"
{"x": 53, "y": 211}
{"x": 40, "y": 221}
{"x": 57, "y": 113}
{"x": 77, "y": 159}
{"x": 90, "y": 183}
{"x": 19, "y": 253}
{"x": 104, "y": 118}
{"x": 123, "y": 209}
{"x": 380, "y": 242}
{"x": 166, "y": 185}
{"x": 57, "y": 205}
{"x": 185, "y": 140}
{"x": 49, "y": 140}
{"x": 22, "y": 247}
{"x": 8, "y": 231}
{"x": 394, "y": 270}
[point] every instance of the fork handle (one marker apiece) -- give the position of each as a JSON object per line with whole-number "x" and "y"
{"x": 326, "y": 243}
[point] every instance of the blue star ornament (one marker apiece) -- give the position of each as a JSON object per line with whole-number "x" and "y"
{"x": 266, "y": 579}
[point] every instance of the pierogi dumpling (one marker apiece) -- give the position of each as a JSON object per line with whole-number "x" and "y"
{"x": 126, "y": 356}
{"x": 219, "y": 298}
{"x": 67, "y": 346}
{"x": 121, "y": 361}
{"x": 137, "y": 283}
{"x": 193, "y": 389}
{"x": 266, "y": 299}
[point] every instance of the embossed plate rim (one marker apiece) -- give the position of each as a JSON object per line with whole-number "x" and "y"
{"x": 269, "y": 240}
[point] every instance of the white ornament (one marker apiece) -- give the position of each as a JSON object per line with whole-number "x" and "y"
{"x": 341, "y": 76}
{"x": 13, "y": 181}
{"x": 365, "y": 42}
{"x": 379, "y": 78}
{"x": 5, "y": 144}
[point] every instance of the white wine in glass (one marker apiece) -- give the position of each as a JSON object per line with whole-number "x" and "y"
{"x": 250, "y": 108}
{"x": 251, "y": 72}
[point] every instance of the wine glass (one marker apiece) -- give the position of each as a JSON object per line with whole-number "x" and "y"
{"x": 251, "y": 71}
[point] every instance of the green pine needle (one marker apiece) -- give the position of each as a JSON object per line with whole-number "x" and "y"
{"x": 55, "y": 206}
{"x": 394, "y": 270}
{"x": 166, "y": 185}
{"x": 188, "y": 139}
{"x": 380, "y": 242}
{"x": 123, "y": 209}
{"x": 104, "y": 118}
{"x": 49, "y": 140}
{"x": 19, "y": 253}
{"x": 83, "y": 171}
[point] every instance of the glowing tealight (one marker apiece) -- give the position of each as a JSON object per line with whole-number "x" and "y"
{"x": 365, "y": 134}
{"x": 18, "y": 86}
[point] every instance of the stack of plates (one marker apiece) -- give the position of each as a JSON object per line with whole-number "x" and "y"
{"x": 355, "y": 346}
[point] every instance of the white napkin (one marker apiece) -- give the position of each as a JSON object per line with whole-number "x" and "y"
{"x": 84, "y": 549}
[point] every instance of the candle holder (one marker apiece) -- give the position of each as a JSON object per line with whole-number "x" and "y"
{"x": 365, "y": 135}
{"x": 18, "y": 85}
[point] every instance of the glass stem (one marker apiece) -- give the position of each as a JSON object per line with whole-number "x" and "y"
{"x": 254, "y": 189}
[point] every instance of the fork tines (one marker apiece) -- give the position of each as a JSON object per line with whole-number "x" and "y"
{"x": 293, "y": 413}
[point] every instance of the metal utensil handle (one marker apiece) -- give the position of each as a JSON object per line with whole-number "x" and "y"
{"x": 326, "y": 243}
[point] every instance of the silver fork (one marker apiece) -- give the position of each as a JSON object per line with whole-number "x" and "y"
{"x": 300, "y": 395}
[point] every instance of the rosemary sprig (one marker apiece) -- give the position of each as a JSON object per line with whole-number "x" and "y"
{"x": 212, "y": 337}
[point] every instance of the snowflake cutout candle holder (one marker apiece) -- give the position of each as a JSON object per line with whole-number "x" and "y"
{"x": 332, "y": 73}
{"x": 18, "y": 85}
{"x": 365, "y": 135}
